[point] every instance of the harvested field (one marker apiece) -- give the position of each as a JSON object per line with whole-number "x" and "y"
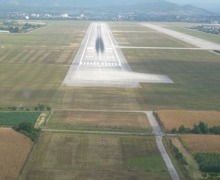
{"x": 201, "y": 143}
{"x": 99, "y": 120}
{"x": 104, "y": 157}
{"x": 14, "y": 150}
{"x": 175, "y": 118}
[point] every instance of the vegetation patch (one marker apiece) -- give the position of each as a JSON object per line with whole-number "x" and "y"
{"x": 178, "y": 155}
{"x": 39, "y": 107}
{"x": 201, "y": 128}
{"x": 208, "y": 162}
{"x": 27, "y": 128}
{"x": 20, "y": 26}
{"x": 14, "y": 118}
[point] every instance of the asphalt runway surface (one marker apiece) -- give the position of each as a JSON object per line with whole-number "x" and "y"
{"x": 99, "y": 62}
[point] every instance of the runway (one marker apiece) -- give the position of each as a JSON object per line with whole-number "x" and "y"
{"x": 200, "y": 43}
{"x": 99, "y": 62}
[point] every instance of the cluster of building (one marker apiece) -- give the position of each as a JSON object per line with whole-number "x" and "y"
{"x": 111, "y": 15}
{"x": 209, "y": 28}
{"x": 35, "y": 16}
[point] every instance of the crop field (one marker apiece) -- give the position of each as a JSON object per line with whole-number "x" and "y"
{"x": 14, "y": 118}
{"x": 104, "y": 157}
{"x": 201, "y": 143}
{"x": 115, "y": 121}
{"x": 175, "y": 118}
{"x": 14, "y": 150}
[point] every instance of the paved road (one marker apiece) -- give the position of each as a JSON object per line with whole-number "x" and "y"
{"x": 159, "y": 139}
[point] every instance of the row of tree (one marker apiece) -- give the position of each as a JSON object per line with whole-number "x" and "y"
{"x": 10, "y": 29}
{"x": 39, "y": 107}
{"x": 178, "y": 155}
{"x": 16, "y": 28}
{"x": 201, "y": 128}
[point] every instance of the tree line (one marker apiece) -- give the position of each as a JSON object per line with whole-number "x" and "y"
{"x": 201, "y": 128}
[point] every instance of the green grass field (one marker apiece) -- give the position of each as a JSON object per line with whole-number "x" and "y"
{"x": 104, "y": 157}
{"x": 14, "y": 118}
{"x": 195, "y": 75}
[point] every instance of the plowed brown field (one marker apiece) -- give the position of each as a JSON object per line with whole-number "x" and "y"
{"x": 14, "y": 150}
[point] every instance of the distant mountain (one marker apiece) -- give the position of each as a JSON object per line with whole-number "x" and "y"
{"x": 170, "y": 8}
{"x": 148, "y": 6}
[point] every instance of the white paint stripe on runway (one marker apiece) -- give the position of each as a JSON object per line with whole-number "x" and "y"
{"x": 86, "y": 44}
{"x": 113, "y": 46}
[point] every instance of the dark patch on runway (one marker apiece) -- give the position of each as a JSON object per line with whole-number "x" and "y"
{"x": 99, "y": 45}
